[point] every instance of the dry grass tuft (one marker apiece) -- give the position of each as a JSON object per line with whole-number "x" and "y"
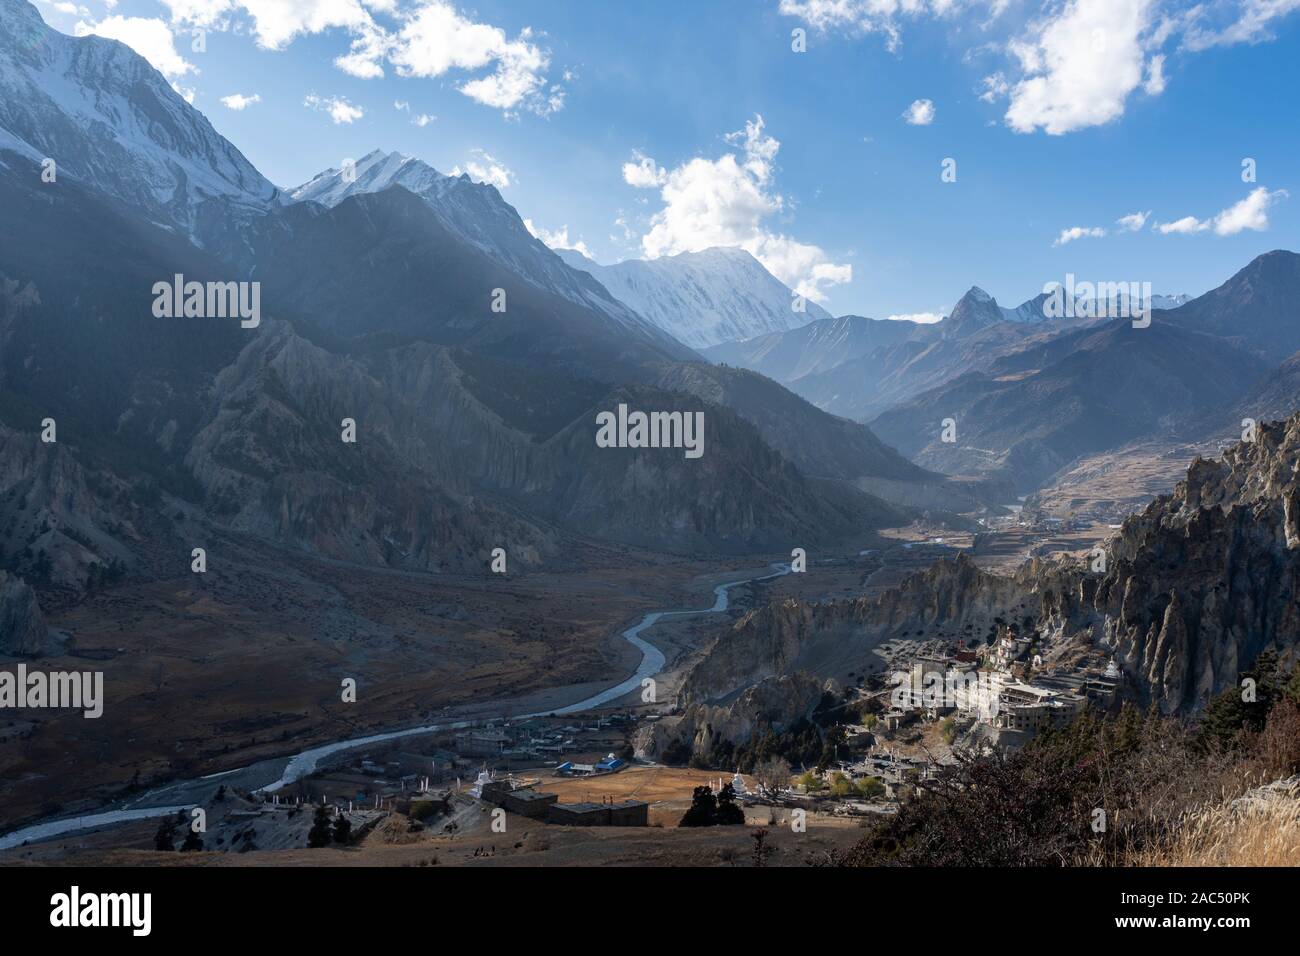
{"x": 1254, "y": 833}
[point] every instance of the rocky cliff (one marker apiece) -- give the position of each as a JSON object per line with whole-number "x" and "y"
{"x": 22, "y": 627}
{"x": 775, "y": 704}
{"x": 953, "y": 598}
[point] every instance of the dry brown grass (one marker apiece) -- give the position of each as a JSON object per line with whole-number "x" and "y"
{"x": 1257, "y": 833}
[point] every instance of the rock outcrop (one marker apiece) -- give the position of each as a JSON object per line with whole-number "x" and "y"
{"x": 22, "y": 626}
{"x": 775, "y": 704}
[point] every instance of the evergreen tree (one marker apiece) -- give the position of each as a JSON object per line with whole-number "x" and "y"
{"x": 703, "y": 811}
{"x": 320, "y": 833}
{"x": 165, "y": 839}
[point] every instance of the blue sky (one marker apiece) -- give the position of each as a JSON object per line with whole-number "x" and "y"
{"x": 634, "y": 128}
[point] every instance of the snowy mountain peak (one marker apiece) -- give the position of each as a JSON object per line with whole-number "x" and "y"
{"x": 112, "y": 122}
{"x": 703, "y": 298}
{"x": 372, "y": 173}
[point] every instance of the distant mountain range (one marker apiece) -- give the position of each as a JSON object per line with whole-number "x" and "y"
{"x": 1026, "y": 412}
{"x": 859, "y": 367}
{"x": 1029, "y": 394}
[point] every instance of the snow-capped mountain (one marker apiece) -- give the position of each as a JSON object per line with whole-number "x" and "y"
{"x": 111, "y": 121}
{"x": 703, "y": 298}
{"x": 478, "y": 214}
{"x": 1033, "y": 310}
{"x": 371, "y": 173}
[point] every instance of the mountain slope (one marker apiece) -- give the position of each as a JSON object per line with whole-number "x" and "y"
{"x": 386, "y": 264}
{"x": 1256, "y": 307}
{"x": 78, "y": 338}
{"x": 455, "y": 456}
{"x": 816, "y": 347}
{"x": 1032, "y": 412}
{"x": 819, "y": 444}
{"x": 702, "y": 298}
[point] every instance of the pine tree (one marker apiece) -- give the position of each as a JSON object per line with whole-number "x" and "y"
{"x": 703, "y": 811}
{"x": 165, "y": 839}
{"x": 320, "y": 834}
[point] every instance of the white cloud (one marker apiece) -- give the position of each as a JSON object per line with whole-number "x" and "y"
{"x": 1078, "y": 232}
{"x": 1075, "y": 62}
{"x": 436, "y": 39}
{"x": 995, "y": 87}
{"x": 726, "y": 202}
{"x": 1133, "y": 221}
{"x": 865, "y": 16}
{"x": 275, "y": 22}
{"x": 420, "y": 119}
{"x": 1184, "y": 226}
{"x": 920, "y": 113}
{"x": 642, "y": 172}
{"x": 364, "y": 60}
{"x": 151, "y": 38}
{"x": 486, "y": 169}
{"x": 420, "y": 38}
{"x": 1155, "y": 81}
{"x": 238, "y": 101}
{"x": 1080, "y": 66}
{"x": 1225, "y": 24}
{"x": 559, "y": 239}
{"x": 339, "y": 109}
{"x": 1249, "y": 213}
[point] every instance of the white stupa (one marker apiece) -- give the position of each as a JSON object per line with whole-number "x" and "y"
{"x": 476, "y": 791}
